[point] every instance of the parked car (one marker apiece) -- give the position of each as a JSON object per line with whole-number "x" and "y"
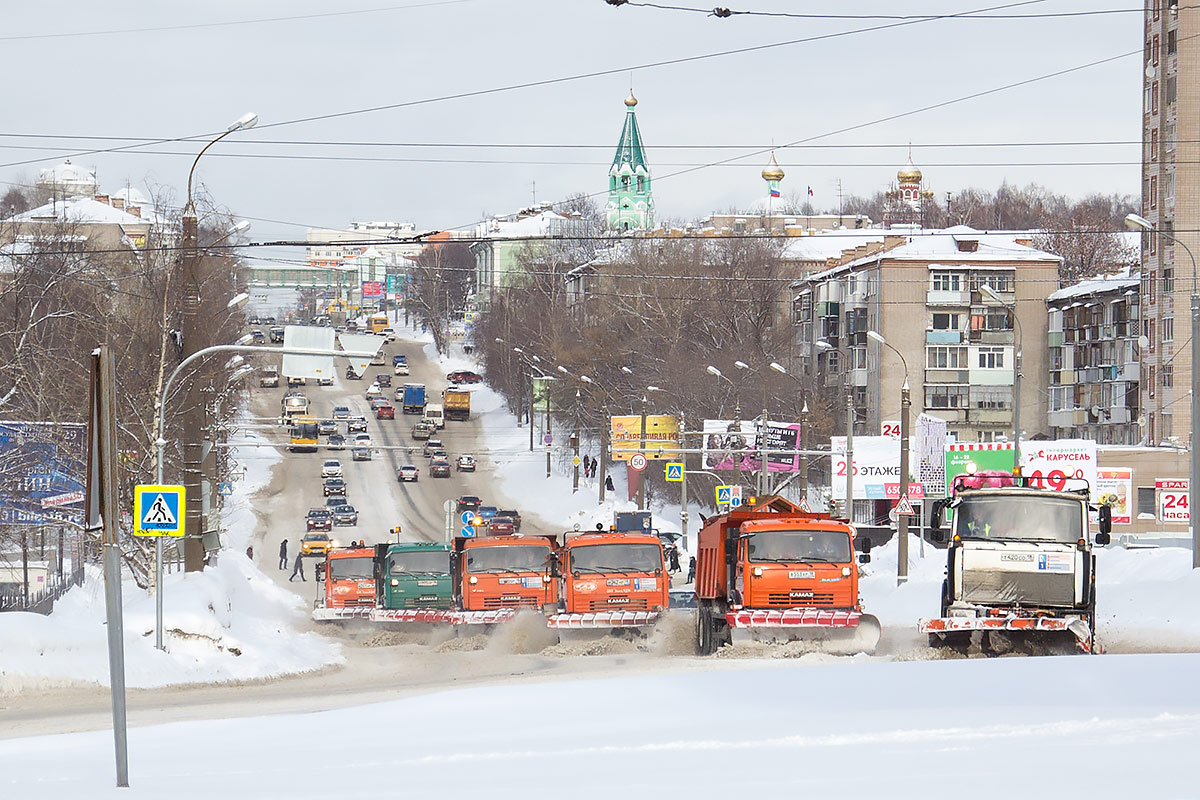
{"x": 360, "y": 454}
{"x": 468, "y": 502}
{"x": 466, "y": 463}
{"x": 341, "y": 412}
{"x": 385, "y": 411}
{"x": 407, "y": 472}
{"x": 336, "y": 442}
{"x": 356, "y": 425}
{"x": 498, "y": 526}
{"x": 383, "y": 379}
{"x": 362, "y": 440}
{"x": 331, "y": 468}
{"x": 464, "y": 376}
{"x": 327, "y": 427}
{"x": 431, "y": 445}
{"x": 334, "y": 486}
{"x": 315, "y": 544}
{"x": 512, "y": 514}
{"x": 487, "y": 512}
{"x": 319, "y": 519}
{"x": 345, "y": 515}
{"x": 439, "y": 468}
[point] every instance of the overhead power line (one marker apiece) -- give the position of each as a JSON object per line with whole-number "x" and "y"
{"x": 723, "y": 12}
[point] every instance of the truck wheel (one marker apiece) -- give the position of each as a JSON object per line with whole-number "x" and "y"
{"x": 704, "y": 642}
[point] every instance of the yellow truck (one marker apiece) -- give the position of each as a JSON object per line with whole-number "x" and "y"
{"x": 457, "y": 404}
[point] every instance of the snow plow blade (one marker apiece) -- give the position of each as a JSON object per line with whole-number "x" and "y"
{"x": 603, "y": 619}
{"x": 323, "y": 614}
{"x": 414, "y": 615}
{"x": 834, "y": 632}
{"x": 1077, "y": 626}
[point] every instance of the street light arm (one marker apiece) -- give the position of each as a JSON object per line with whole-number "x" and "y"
{"x": 190, "y": 208}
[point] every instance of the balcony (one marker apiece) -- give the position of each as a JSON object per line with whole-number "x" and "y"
{"x": 958, "y": 376}
{"x": 939, "y": 297}
{"x": 991, "y": 337}
{"x": 943, "y": 337}
{"x": 991, "y": 416}
{"x": 829, "y": 309}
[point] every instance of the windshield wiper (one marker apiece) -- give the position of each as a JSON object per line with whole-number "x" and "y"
{"x": 808, "y": 560}
{"x": 609, "y": 569}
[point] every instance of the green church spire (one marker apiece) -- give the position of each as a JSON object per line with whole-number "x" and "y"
{"x": 630, "y": 201}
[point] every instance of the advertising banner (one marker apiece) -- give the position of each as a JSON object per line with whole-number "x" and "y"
{"x": 966, "y": 458}
{"x": 1173, "y": 505}
{"x": 781, "y": 436}
{"x": 730, "y": 445}
{"x": 42, "y": 466}
{"x": 662, "y": 436}
{"x": 876, "y": 469}
{"x": 1114, "y": 487}
{"x": 1057, "y": 462}
{"x": 543, "y": 390}
{"x": 372, "y": 289}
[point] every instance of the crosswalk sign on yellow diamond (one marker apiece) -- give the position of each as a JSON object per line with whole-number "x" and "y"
{"x": 675, "y": 472}
{"x": 158, "y": 510}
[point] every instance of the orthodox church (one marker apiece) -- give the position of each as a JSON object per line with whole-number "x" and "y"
{"x": 630, "y": 204}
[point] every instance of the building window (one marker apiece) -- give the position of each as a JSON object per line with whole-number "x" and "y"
{"x": 1153, "y": 196}
{"x": 1168, "y": 376}
{"x": 624, "y": 181}
{"x": 1171, "y": 40}
{"x": 1145, "y": 501}
{"x": 641, "y": 183}
{"x": 946, "y": 358}
{"x": 1153, "y": 383}
{"x": 997, "y": 320}
{"x": 1169, "y": 188}
{"x": 1000, "y": 282}
{"x": 1154, "y": 6}
{"x": 1169, "y": 136}
{"x": 946, "y": 282}
{"x": 1154, "y": 50}
{"x": 1154, "y": 97}
{"x": 1168, "y": 329}
{"x": 991, "y": 358}
{"x": 945, "y": 396}
{"x": 833, "y": 361}
{"x": 1153, "y": 145}
{"x": 1168, "y": 281}
{"x": 1153, "y": 283}
{"x": 1169, "y": 89}
{"x": 860, "y": 357}
{"x": 946, "y": 322}
{"x": 991, "y": 398}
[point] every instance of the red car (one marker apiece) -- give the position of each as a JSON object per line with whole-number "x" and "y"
{"x": 385, "y": 412}
{"x": 501, "y": 526}
{"x": 464, "y": 376}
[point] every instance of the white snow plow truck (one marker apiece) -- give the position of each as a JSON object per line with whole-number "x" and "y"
{"x": 1020, "y": 570}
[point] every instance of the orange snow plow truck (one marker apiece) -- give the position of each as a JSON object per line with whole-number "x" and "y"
{"x": 610, "y": 581}
{"x": 772, "y": 572}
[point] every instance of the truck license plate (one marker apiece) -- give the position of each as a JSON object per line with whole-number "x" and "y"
{"x": 800, "y": 574}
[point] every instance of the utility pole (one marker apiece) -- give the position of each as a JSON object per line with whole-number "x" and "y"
{"x": 605, "y": 424}
{"x": 849, "y": 451}
{"x": 546, "y": 434}
{"x": 902, "y": 519}
{"x": 641, "y": 476}
{"x": 762, "y": 456}
{"x": 193, "y": 416}
{"x": 529, "y": 416}
{"x": 575, "y": 446}
{"x": 804, "y": 458}
{"x": 683, "y": 498}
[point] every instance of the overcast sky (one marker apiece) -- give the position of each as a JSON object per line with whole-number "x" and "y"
{"x": 191, "y": 81}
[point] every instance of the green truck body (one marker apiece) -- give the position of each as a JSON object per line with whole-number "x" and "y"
{"x": 413, "y": 575}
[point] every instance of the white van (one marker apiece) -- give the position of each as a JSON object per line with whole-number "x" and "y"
{"x": 434, "y": 415}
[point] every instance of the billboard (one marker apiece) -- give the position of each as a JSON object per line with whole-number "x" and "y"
{"x": 729, "y": 444}
{"x": 1055, "y": 462}
{"x": 543, "y": 389}
{"x": 876, "y": 469}
{"x": 372, "y": 289}
{"x": 308, "y": 337}
{"x": 662, "y": 436}
{"x": 988, "y": 457}
{"x": 42, "y": 472}
{"x": 1113, "y": 488}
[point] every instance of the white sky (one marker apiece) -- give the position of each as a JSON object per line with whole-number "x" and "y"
{"x": 188, "y": 82}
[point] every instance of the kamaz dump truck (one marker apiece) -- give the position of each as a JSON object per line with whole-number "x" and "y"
{"x": 497, "y": 576}
{"x": 610, "y": 581}
{"x": 1019, "y": 564}
{"x": 771, "y": 572}
{"x": 457, "y": 404}
{"x": 413, "y": 583}
{"x": 345, "y": 584}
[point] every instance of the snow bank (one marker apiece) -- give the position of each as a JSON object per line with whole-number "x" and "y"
{"x": 1070, "y": 726}
{"x": 227, "y": 623}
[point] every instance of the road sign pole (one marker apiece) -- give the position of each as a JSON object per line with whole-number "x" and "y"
{"x": 902, "y": 522}
{"x": 641, "y": 492}
{"x": 683, "y": 512}
{"x": 158, "y": 593}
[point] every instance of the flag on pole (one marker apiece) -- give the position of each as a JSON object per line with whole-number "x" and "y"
{"x": 775, "y": 190}
{"x": 810, "y": 191}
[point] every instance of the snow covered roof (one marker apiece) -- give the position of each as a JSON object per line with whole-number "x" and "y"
{"x": 1105, "y": 283}
{"x": 543, "y": 223}
{"x": 70, "y": 178}
{"x": 830, "y": 243}
{"x": 81, "y": 210}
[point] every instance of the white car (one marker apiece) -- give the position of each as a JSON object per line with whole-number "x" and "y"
{"x": 331, "y": 468}
{"x": 325, "y": 381}
{"x": 362, "y": 440}
{"x": 374, "y": 390}
{"x": 400, "y": 369}
{"x": 389, "y": 335}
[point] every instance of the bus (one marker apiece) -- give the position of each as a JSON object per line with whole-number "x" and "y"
{"x": 377, "y": 323}
{"x": 304, "y": 435}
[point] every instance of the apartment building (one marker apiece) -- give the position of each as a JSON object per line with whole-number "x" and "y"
{"x": 1094, "y": 362}
{"x": 923, "y": 292}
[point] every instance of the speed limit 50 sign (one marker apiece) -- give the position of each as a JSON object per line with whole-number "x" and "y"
{"x": 637, "y": 462}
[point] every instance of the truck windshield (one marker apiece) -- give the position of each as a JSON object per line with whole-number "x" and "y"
{"x": 508, "y": 558}
{"x": 826, "y": 546}
{"x": 350, "y": 569}
{"x": 1021, "y": 518}
{"x": 616, "y": 558}
{"x": 422, "y": 562}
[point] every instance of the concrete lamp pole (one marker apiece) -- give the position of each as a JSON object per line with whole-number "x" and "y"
{"x": 191, "y": 325}
{"x": 990, "y": 294}
{"x": 1135, "y": 222}
{"x": 901, "y": 519}
{"x": 802, "y": 467}
{"x": 737, "y": 414}
{"x": 825, "y": 347}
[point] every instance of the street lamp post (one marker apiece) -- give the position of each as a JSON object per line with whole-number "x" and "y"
{"x": 737, "y": 416}
{"x": 1133, "y": 221}
{"x": 193, "y": 422}
{"x": 901, "y": 519}
{"x": 990, "y": 293}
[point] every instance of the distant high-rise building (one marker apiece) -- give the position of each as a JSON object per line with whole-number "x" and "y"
{"x": 1170, "y": 115}
{"x": 630, "y": 200}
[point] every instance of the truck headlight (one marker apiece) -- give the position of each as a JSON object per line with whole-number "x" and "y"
{"x": 545, "y": 579}
{"x": 757, "y": 572}
{"x": 845, "y": 572}
{"x": 473, "y": 580}
{"x": 395, "y": 582}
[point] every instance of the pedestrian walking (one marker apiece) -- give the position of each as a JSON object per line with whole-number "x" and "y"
{"x": 595, "y": 464}
{"x": 675, "y": 560}
{"x": 250, "y": 552}
{"x": 691, "y": 578}
{"x": 587, "y": 465}
{"x": 298, "y": 568}
{"x": 608, "y": 484}
{"x": 283, "y": 561}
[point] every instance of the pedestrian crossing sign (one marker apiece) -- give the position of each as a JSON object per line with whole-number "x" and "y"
{"x": 724, "y": 495}
{"x": 158, "y": 510}
{"x": 675, "y": 472}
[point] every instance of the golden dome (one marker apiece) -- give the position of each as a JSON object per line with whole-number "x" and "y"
{"x": 630, "y": 101}
{"x": 773, "y": 172}
{"x": 909, "y": 173}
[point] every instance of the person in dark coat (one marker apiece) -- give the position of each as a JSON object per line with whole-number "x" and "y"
{"x": 608, "y": 484}
{"x": 587, "y": 464}
{"x": 674, "y": 556}
{"x": 298, "y": 568}
{"x": 691, "y": 578}
{"x": 250, "y": 552}
{"x": 283, "y": 559}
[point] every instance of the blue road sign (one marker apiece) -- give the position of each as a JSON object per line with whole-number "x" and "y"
{"x": 724, "y": 495}
{"x": 158, "y": 510}
{"x": 735, "y": 501}
{"x": 467, "y": 516}
{"x": 675, "y": 472}
{"x": 467, "y": 531}
{"x": 548, "y": 439}
{"x": 225, "y": 488}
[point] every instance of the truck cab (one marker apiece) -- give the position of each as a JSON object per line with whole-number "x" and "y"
{"x": 346, "y": 582}
{"x": 1019, "y": 563}
{"x": 505, "y": 572}
{"x": 413, "y": 575}
{"x": 773, "y": 572}
{"x": 610, "y": 580}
